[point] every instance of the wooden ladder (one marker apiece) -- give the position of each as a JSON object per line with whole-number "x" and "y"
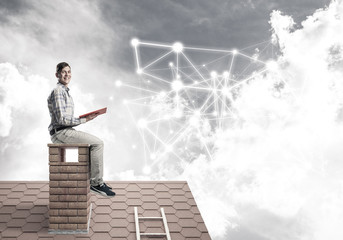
{"x": 163, "y": 218}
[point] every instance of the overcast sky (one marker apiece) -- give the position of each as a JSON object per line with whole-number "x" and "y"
{"x": 94, "y": 37}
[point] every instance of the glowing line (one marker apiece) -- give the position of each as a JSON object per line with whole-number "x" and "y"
{"x": 137, "y": 57}
{"x": 156, "y": 77}
{"x": 155, "y": 45}
{"x": 157, "y": 59}
{"x": 193, "y": 65}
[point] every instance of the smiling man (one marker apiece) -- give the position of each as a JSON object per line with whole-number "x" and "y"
{"x": 61, "y": 108}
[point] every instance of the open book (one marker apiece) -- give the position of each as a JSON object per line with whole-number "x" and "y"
{"x": 98, "y": 112}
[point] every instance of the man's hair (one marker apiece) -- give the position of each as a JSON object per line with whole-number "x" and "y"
{"x": 60, "y": 66}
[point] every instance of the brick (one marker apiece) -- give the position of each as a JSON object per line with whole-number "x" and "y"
{"x": 68, "y": 226}
{"x": 54, "y": 169}
{"x": 58, "y": 177}
{"x": 53, "y": 226}
{"x": 83, "y": 158}
{"x": 68, "y": 184}
{"x": 58, "y": 219}
{"x": 78, "y": 191}
{"x": 58, "y": 205}
{"x": 59, "y": 191}
{"x": 82, "y": 198}
{"x": 83, "y": 151}
{"x": 68, "y": 169}
{"x": 82, "y": 183}
{"x": 53, "y": 212}
{"x": 67, "y": 198}
{"x": 82, "y": 226}
{"x": 68, "y": 163}
{"x": 55, "y": 158}
{"x": 79, "y": 220}
{"x": 77, "y": 205}
{"x": 54, "y": 151}
{"x": 53, "y": 184}
{"x": 68, "y": 212}
{"x": 78, "y": 176}
{"x": 83, "y": 169}
{"x": 83, "y": 212}
{"x": 53, "y": 198}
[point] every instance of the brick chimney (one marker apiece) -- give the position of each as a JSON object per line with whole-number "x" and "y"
{"x": 69, "y": 189}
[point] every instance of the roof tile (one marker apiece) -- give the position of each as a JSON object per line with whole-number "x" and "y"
{"x": 161, "y": 188}
{"x": 190, "y": 232}
{"x": 102, "y": 218}
{"x": 132, "y": 187}
{"x": 104, "y": 227}
{"x": 28, "y": 236}
{"x": 11, "y": 232}
{"x": 111, "y": 218}
{"x": 119, "y": 223}
{"x": 149, "y": 198}
{"x": 19, "y": 188}
{"x": 31, "y": 227}
{"x": 119, "y": 232}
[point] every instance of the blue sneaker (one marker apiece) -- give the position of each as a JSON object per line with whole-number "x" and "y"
{"x": 103, "y": 190}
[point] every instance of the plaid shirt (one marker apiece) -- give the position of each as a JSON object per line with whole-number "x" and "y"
{"x": 61, "y": 108}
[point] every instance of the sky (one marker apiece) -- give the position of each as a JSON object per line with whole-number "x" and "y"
{"x": 273, "y": 171}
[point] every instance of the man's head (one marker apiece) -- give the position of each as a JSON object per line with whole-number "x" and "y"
{"x": 63, "y": 73}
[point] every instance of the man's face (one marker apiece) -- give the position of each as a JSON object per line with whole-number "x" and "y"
{"x": 64, "y": 76}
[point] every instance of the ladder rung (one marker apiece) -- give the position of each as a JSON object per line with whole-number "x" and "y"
{"x": 153, "y": 234}
{"x": 150, "y": 218}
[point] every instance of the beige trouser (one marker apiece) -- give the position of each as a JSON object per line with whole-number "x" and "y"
{"x": 70, "y": 135}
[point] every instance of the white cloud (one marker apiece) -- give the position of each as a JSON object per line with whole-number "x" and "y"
{"x": 287, "y": 166}
{"x": 278, "y": 174}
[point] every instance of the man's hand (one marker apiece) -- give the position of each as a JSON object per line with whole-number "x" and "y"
{"x": 91, "y": 117}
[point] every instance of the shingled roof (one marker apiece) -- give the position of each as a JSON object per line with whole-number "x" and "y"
{"x": 24, "y": 211}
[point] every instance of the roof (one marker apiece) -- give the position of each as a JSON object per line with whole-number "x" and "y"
{"x": 24, "y": 211}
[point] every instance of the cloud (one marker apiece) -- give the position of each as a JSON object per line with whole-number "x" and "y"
{"x": 276, "y": 172}
{"x": 279, "y": 173}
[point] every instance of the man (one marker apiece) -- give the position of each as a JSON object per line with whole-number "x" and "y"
{"x": 61, "y": 108}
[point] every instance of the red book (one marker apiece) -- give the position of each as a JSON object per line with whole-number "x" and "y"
{"x": 98, "y": 112}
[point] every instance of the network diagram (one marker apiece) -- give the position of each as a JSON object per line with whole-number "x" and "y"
{"x": 186, "y": 95}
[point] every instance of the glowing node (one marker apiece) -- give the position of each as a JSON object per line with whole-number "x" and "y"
{"x": 125, "y": 101}
{"x": 111, "y": 98}
{"x": 153, "y": 156}
{"x": 225, "y": 91}
{"x": 215, "y": 113}
{"x": 178, "y": 113}
{"x": 226, "y": 74}
{"x": 171, "y": 132}
{"x": 133, "y": 146}
{"x": 177, "y": 85}
{"x": 203, "y": 65}
{"x": 139, "y": 71}
{"x": 134, "y": 42}
{"x": 162, "y": 94}
{"x": 166, "y": 117}
{"x": 234, "y": 51}
{"x": 213, "y": 74}
{"x": 177, "y": 47}
{"x": 169, "y": 148}
{"x": 142, "y": 123}
{"x": 194, "y": 121}
{"x": 177, "y": 76}
{"x": 171, "y": 64}
{"x": 146, "y": 170}
{"x": 119, "y": 83}
{"x": 272, "y": 65}
{"x": 196, "y": 82}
